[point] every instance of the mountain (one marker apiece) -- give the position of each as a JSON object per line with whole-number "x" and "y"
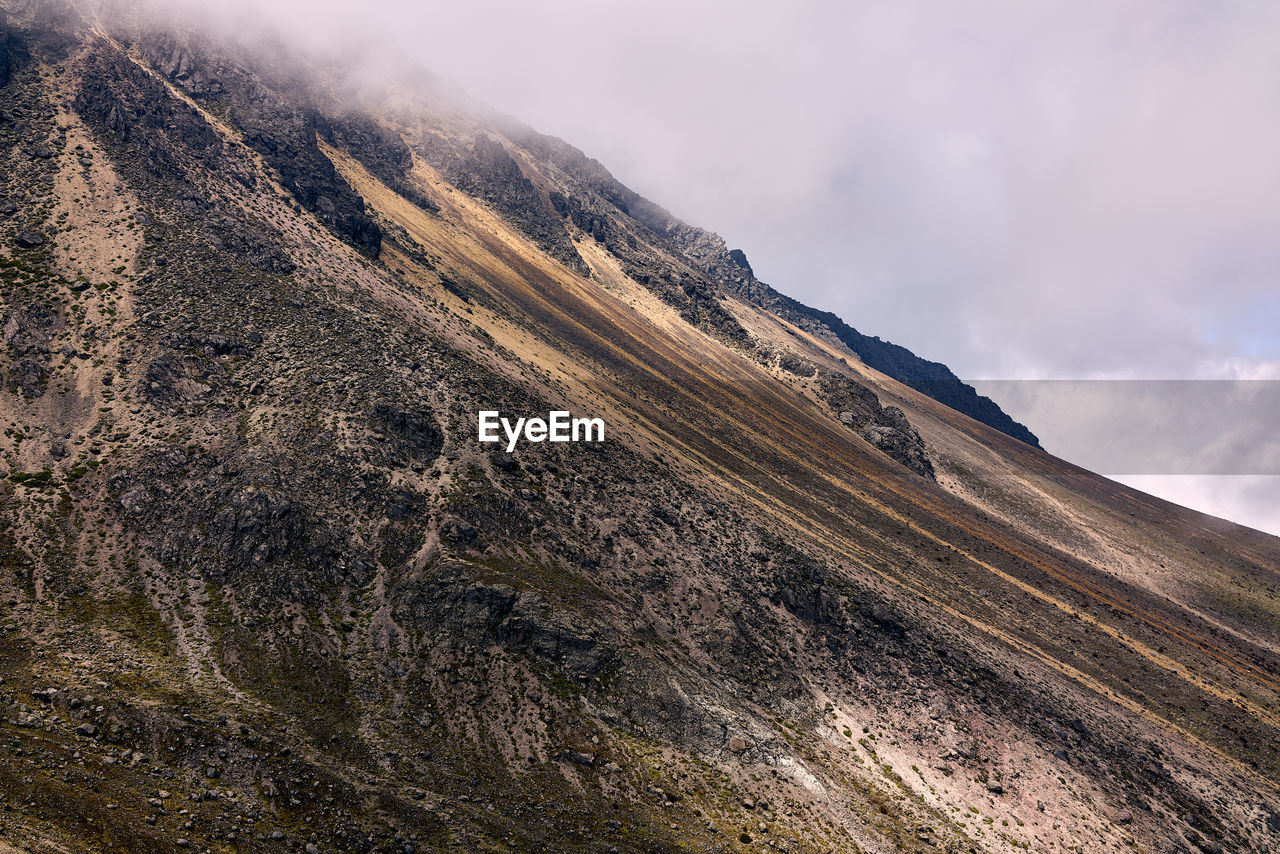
{"x": 263, "y": 589}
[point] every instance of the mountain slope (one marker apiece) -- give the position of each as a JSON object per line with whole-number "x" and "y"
{"x": 258, "y": 568}
{"x": 593, "y": 202}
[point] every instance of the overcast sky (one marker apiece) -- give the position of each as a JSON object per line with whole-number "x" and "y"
{"x": 1020, "y": 189}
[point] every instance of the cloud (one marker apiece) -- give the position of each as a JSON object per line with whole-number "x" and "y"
{"x": 1253, "y": 501}
{"x": 1021, "y": 190}
{"x": 1056, "y": 189}
{"x": 1157, "y": 427}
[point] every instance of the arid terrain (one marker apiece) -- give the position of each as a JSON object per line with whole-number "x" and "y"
{"x": 264, "y": 590}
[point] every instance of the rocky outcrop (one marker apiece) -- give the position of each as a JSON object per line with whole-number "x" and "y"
{"x": 800, "y": 588}
{"x": 142, "y": 122}
{"x": 251, "y": 243}
{"x": 382, "y": 151}
{"x": 523, "y": 621}
{"x": 486, "y": 170}
{"x": 28, "y": 337}
{"x": 885, "y": 427}
{"x": 410, "y": 435}
{"x": 890, "y": 431}
{"x": 283, "y": 129}
{"x": 12, "y": 51}
{"x": 286, "y": 138}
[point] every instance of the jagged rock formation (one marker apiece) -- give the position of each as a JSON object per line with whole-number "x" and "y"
{"x": 262, "y": 589}
{"x": 886, "y": 427}
{"x": 275, "y": 125}
{"x": 484, "y": 169}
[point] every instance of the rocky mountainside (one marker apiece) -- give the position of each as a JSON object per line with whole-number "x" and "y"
{"x": 264, "y": 590}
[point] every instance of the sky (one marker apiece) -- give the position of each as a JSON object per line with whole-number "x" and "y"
{"x": 1022, "y": 189}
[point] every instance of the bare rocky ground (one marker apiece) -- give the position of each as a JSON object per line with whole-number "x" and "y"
{"x": 262, "y": 589}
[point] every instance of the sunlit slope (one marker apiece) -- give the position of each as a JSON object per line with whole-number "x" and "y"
{"x": 958, "y": 557}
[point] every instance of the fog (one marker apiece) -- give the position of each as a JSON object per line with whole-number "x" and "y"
{"x": 1058, "y": 190}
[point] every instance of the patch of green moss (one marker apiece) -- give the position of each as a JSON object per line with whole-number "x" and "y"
{"x": 37, "y": 480}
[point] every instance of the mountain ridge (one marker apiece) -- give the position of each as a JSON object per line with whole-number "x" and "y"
{"x": 263, "y": 589}
{"x": 732, "y": 271}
